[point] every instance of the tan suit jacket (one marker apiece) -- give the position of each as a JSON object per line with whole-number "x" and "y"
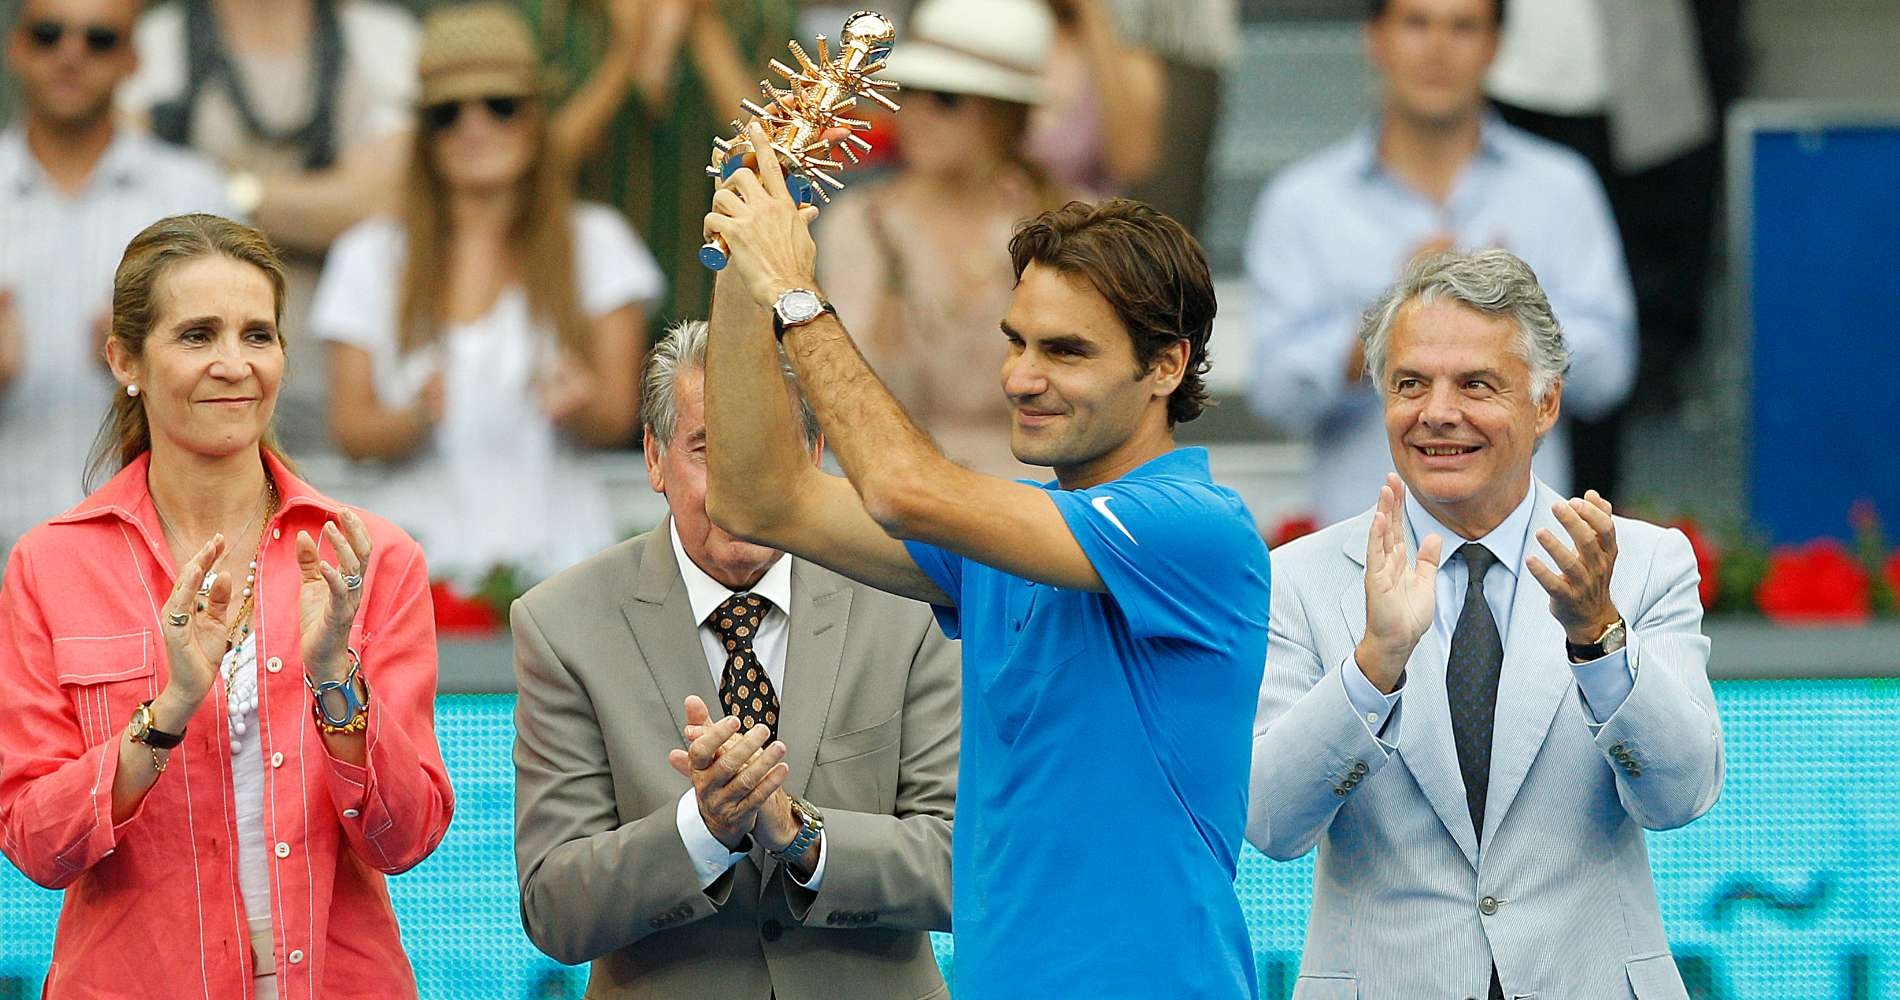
{"x": 605, "y": 653}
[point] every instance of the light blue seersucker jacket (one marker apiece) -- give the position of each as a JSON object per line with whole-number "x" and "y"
{"x": 1560, "y": 898}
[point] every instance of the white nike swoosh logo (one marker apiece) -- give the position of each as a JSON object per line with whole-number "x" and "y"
{"x": 1101, "y": 506}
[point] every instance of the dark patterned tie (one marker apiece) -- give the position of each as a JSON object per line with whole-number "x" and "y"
{"x": 1471, "y": 682}
{"x": 744, "y": 689}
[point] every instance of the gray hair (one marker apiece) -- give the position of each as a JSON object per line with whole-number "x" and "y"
{"x": 683, "y": 349}
{"x": 1493, "y": 282}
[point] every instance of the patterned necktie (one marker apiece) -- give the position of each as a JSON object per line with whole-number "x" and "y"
{"x": 1471, "y": 682}
{"x": 744, "y": 689}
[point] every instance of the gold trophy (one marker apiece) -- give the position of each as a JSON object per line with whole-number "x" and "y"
{"x": 798, "y": 120}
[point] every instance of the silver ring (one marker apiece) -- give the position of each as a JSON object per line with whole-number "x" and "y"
{"x": 352, "y": 581}
{"x": 177, "y": 618}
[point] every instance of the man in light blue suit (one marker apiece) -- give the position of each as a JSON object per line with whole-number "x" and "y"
{"x": 1477, "y": 744}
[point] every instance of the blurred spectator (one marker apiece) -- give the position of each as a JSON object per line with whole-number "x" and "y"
{"x": 1625, "y": 83}
{"x": 479, "y": 340}
{"x": 917, "y": 263}
{"x": 74, "y": 188}
{"x": 696, "y": 60}
{"x": 1099, "y": 124}
{"x": 306, "y": 103}
{"x": 1435, "y": 171}
{"x": 1195, "y": 41}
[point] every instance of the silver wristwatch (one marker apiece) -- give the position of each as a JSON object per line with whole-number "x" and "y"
{"x": 796, "y": 307}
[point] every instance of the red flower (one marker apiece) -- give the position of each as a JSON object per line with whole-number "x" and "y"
{"x": 1818, "y": 583}
{"x": 1708, "y": 560}
{"x": 1290, "y": 528}
{"x": 458, "y": 613}
{"x": 1892, "y": 570}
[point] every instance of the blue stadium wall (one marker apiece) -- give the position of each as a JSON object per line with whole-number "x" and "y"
{"x": 1788, "y": 888}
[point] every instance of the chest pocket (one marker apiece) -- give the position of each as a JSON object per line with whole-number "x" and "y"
{"x": 105, "y": 678}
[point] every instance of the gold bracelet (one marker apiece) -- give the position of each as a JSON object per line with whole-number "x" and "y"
{"x": 157, "y": 764}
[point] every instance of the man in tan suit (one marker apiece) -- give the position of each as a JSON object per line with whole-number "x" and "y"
{"x": 685, "y": 855}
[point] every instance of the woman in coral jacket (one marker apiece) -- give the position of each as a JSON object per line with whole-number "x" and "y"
{"x": 218, "y": 733}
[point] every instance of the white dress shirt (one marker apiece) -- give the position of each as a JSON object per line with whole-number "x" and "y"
{"x": 57, "y": 259}
{"x": 1605, "y": 681}
{"x": 711, "y": 859}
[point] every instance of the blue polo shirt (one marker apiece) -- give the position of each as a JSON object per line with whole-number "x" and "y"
{"x": 1102, "y": 795}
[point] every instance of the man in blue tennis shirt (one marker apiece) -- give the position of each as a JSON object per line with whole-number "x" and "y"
{"x": 1113, "y": 621}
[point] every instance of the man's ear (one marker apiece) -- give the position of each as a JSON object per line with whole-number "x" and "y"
{"x": 656, "y": 474}
{"x": 1169, "y": 368}
{"x": 1549, "y": 408}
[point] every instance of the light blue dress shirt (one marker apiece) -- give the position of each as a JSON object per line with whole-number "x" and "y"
{"x": 1605, "y": 681}
{"x": 1332, "y": 232}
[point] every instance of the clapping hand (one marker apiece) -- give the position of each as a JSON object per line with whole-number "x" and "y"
{"x": 1580, "y": 594}
{"x": 733, "y": 774}
{"x": 330, "y": 594}
{"x": 196, "y": 632}
{"x": 1400, "y": 592}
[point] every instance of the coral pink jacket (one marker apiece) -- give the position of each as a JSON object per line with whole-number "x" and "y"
{"x": 152, "y": 905}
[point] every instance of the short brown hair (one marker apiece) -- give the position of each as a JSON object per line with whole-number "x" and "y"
{"x": 161, "y": 246}
{"x": 1151, "y": 271}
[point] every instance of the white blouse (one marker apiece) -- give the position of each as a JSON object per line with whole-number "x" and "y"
{"x": 497, "y": 483}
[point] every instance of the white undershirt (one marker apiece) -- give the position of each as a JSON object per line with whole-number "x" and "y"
{"x": 239, "y": 667}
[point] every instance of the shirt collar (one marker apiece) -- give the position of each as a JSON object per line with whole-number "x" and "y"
{"x": 128, "y": 496}
{"x": 705, "y": 594}
{"x": 1506, "y": 541}
{"x": 1494, "y": 139}
{"x": 1179, "y": 463}
{"x": 118, "y": 166}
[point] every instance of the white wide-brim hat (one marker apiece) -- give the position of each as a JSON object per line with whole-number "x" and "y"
{"x": 988, "y": 48}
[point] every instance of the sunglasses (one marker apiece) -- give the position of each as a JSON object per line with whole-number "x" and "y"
{"x": 442, "y": 117}
{"x": 99, "y": 38}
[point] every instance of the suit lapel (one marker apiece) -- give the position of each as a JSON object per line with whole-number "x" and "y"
{"x": 814, "y": 654}
{"x": 1535, "y": 677}
{"x": 661, "y": 618}
{"x": 1424, "y": 737}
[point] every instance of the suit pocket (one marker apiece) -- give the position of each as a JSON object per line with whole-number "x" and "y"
{"x": 105, "y": 678}
{"x": 1656, "y": 978}
{"x": 1326, "y": 988}
{"x": 858, "y": 742}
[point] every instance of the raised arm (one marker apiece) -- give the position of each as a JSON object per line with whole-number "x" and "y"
{"x": 761, "y": 483}
{"x": 905, "y": 486}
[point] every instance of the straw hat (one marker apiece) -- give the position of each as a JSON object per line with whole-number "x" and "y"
{"x": 989, "y": 48}
{"x": 476, "y": 50}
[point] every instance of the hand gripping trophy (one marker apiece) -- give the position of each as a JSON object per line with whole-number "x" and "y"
{"x": 802, "y": 119}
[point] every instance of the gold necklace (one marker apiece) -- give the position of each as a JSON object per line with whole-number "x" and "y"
{"x": 241, "y": 626}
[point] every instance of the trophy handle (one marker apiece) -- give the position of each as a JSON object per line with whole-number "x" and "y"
{"x": 714, "y": 254}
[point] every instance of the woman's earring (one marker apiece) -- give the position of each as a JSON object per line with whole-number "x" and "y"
{"x": 131, "y": 390}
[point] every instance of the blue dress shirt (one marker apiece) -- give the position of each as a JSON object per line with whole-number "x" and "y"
{"x": 1332, "y": 232}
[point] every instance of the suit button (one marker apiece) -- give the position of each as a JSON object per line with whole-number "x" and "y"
{"x": 1359, "y": 768}
{"x": 273, "y": 664}
{"x": 771, "y": 930}
{"x": 282, "y": 849}
{"x": 656, "y": 923}
{"x": 1339, "y": 791}
{"x": 1488, "y": 906}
